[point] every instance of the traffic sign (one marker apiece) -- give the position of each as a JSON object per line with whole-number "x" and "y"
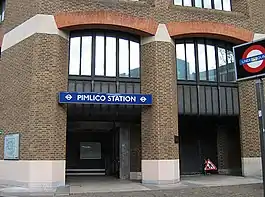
{"x": 250, "y": 60}
{"x": 209, "y": 165}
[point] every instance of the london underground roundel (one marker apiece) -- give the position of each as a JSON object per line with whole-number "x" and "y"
{"x": 250, "y": 60}
{"x": 253, "y": 59}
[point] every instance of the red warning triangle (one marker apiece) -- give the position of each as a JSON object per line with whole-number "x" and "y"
{"x": 209, "y": 165}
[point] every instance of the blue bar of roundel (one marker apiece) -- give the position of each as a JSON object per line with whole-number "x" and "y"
{"x": 252, "y": 59}
{"x": 105, "y": 98}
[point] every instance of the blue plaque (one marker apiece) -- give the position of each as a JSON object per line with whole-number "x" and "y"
{"x": 11, "y": 147}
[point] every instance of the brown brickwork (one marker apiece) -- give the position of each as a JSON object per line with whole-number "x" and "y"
{"x": 250, "y": 140}
{"x": 18, "y": 11}
{"x": 240, "y": 6}
{"x": 257, "y": 14}
{"x": 74, "y": 20}
{"x": 2, "y": 33}
{"x": 249, "y": 120}
{"x": 160, "y": 121}
{"x": 162, "y": 11}
{"x": 34, "y": 71}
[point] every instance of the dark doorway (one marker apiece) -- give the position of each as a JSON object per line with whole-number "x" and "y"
{"x": 92, "y": 151}
{"x": 197, "y": 142}
{"x": 209, "y": 137}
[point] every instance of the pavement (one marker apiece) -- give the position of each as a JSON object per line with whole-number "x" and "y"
{"x": 201, "y": 186}
{"x": 253, "y": 190}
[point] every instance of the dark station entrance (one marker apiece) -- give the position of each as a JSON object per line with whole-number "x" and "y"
{"x": 94, "y": 150}
{"x": 99, "y": 139}
{"x": 209, "y": 137}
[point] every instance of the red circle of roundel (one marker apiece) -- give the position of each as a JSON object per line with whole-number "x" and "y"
{"x": 246, "y": 66}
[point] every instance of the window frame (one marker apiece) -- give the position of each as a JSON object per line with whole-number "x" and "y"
{"x": 206, "y": 41}
{"x": 106, "y": 33}
{"x": 193, "y": 4}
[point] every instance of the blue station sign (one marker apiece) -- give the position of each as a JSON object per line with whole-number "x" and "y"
{"x": 105, "y": 98}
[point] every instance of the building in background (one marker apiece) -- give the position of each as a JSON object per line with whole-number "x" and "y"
{"x": 178, "y": 51}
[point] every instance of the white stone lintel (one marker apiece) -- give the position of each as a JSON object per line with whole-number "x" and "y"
{"x": 40, "y": 23}
{"x": 161, "y": 35}
{"x": 258, "y": 36}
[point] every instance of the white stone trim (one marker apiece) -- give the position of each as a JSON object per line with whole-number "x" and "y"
{"x": 135, "y": 175}
{"x": 33, "y": 174}
{"x": 258, "y": 36}
{"x": 161, "y": 35}
{"x": 160, "y": 171}
{"x": 40, "y": 23}
{"x": 251, "y": 167}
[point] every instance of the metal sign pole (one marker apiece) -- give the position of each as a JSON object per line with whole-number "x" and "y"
{"x": 261, "y": 115}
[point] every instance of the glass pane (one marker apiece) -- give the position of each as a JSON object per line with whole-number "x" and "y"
{"x": 90, "y": 150}
{"x": 211, "y": 63}
{"x": 218, "y": 4}
{"x": 74, "y": 60}
{"x": 207, "y": 3}
{"x": 134, "y": 59}
{"x": 187, "y": 2}
{"x": 86, "y": 55}
{"x": 198, "y": 3}
{"x": 202, "y": 61}
{"x": 230, "y": 56}
{"x": 222, "y": 64}
{"x": 230, "y": 65}
{"x": 99, "y": 65}
{"x": 111, "y": 56}
{"x": 227, "y": 5}
{"x": 123, "y": 58}
{"x": 181, "y": 67}
{"x": 190, "y": 61}
{"x": 2, "y": 10}
{"x": 177, "y": 2}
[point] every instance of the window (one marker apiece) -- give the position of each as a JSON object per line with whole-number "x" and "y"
{"x": 204, "y": 60}
{"x": 185, "y": 61}
{"x": 2, "y": 7}
{"x": 210, "y": 4}
{"x": 106, "y": 54}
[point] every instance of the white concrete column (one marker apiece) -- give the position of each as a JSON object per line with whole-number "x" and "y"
{"x": 251, "y": 167}
{"x": 160, "y": 171}
{"x": 33, "y": 174}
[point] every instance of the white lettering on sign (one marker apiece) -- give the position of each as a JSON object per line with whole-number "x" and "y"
{"x": 109, "y": 98}
{"x": 98, "y": 98}
{"x": 128, "y": 99}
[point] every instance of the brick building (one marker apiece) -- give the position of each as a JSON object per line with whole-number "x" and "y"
{"x": 179, "y": 52}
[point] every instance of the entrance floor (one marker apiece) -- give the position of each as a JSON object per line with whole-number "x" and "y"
{"x": 110, "y": 184}
{"x": 91, "y": 184}
{"x": 102, "y": 184}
